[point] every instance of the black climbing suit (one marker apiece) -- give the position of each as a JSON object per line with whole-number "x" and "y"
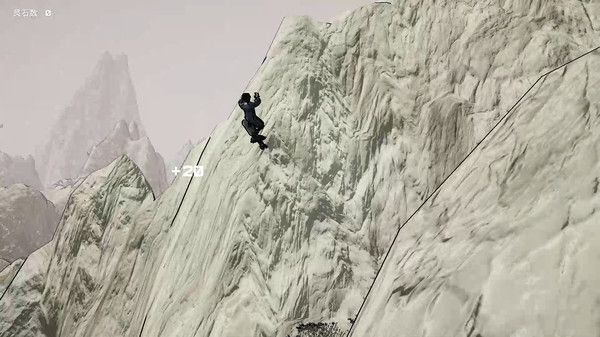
{"x": 250, "y": 114}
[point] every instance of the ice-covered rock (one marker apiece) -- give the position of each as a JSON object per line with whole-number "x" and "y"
{"x": 20, "y": 303}
{"x": 61, "y": 284}
{"x": 27, "y": 221}
{"x": 16, "y": 169}
{"x": 510, "y": 245}
{"x": 126, "y": 139}
{"x": 365, "y": 117}
{"x": 107, "y": 97}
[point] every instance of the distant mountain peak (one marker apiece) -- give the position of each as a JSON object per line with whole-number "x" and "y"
{"x": 106, "y": 98}
{"x": 125, "y": 139}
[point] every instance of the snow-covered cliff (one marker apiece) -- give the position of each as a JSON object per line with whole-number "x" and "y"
{"x": 510, "y": 245}
{"x": 61, "y": 284}
{"x": 366, "y": 116}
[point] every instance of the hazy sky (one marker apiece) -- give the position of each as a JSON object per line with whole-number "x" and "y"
{"x": 189, "y": 60}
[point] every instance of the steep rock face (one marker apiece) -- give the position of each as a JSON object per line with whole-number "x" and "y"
{"x": 20, "y": 303}
{"x": 351, "y": 110}
{"x": 106, "y": 98}
{"x": 60, "y": 285}
{"x": 510, "y": 245}
{"x": 15, "y": 170}
{"x": 27, "y": 221}
{"x": 296, "y": 233}
{"x": 126, "y": 139}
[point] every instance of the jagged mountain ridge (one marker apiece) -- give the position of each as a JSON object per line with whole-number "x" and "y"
{"x": 106, "y": 97}
{"x": 64, "y": 280}
{"x": 263, "y": 241}
{"x": 126, "y": 139}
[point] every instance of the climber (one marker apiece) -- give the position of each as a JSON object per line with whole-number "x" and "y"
{"x": 251, "y": 122}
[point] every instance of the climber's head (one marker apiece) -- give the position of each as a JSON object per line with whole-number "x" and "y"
{"x": 246, "y": 97}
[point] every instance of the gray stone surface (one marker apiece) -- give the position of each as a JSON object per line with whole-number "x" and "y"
{"x": 18, "y": 170}
{"x": 27, "y": 221}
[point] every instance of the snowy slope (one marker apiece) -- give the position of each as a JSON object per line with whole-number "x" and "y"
{"x": 56, "y": 282}
{"x": 14, "y": 170}
{"x": 365, "y": 117}
{"x": 360, "y": 135}
{"x": 27, "y": 221}
{"x": 20, "y": 302}
{"x": 106, "y": 98}
{"x": 510, "y": 246}
{"x": 125, "y": 139}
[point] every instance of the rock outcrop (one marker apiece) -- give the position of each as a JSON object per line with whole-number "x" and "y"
{"x": 18, "y": 170}
{"x": 27, "y": 221}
